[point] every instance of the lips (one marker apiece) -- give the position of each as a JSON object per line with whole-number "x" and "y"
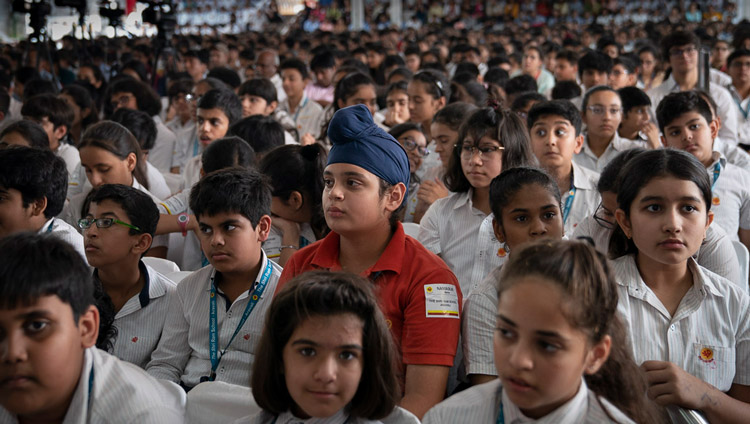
{"x": 90, "y": 247}
{"x": 219, "y": 256}
{"x": 17, "y": 381}
{"x": 672, "y": 244}
{"x": 334, "y": 212}
{"x": 518, "y": 385}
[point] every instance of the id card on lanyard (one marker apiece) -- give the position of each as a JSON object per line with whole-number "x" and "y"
{"x": 213, "y": 338}
{"x": 569, "y": 200}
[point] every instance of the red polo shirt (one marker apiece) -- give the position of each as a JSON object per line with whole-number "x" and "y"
{"x": 418, "y": 294}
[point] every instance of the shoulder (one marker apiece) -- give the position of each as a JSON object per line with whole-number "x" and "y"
{"x": 624, "y": 269}
{"x": 602, "y": 411}
{"x": 420, "y": 257}
{"x": 160, "y": 280}
{"x": 468, "y": 403}
{"x": 196, "y": 281}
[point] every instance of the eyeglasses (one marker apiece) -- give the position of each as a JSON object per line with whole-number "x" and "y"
{"x": 410, "y": 145}
{"x": 599, "y": 218}
{"x": 85, "y": 223}
{"x": 600, "y": 110}
{"x": 428, "y": 77}
{"x": 679, "y": 52}
{"x": 619, "y": 73}
{"x": 485, "y": 152}
{"x": 121, "y": 102}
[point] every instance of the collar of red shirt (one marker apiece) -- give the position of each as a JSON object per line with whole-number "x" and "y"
{"x": 392, "y": 259}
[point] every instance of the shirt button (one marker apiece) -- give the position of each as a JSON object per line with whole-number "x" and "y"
{"x": 221, "y": 370}
{"x": 229, "y": 314}
{"x": 672, "y": 327}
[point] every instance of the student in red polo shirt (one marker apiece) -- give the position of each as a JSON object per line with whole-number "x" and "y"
{"x": 366, "y": 182}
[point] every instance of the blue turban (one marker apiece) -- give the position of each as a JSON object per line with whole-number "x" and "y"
{"x": 357, "y": 140}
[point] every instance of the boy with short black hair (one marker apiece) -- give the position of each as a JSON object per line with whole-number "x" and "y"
{"x": 323, "y": 66}
{"x": 262, "y": 133}
{"x": 227, "y": 300}
{"x": 33, "y": 185}
{"x": 258, "y": 97}
{"x": 593, "y": 69}
{"x": 118, "y": 226}
{"x": 50, "y": 369}
{"x": 555, "y": 130}
{"x": 636, "y": 122}
{"x": 686, "y": 123}
{"x": 306, "y": 113}
{"x": 55, "y": 117}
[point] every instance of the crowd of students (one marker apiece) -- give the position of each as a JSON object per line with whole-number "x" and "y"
{"x": 578, "y": 212}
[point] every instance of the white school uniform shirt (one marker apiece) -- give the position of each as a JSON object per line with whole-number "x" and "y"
{"x": 709, "y": 334}
{"x": 264, "y": 417}
{"x": 272, "y": 245}
{"x": 308, "y": 117}
{"x": 725, "y": 107}
{"x": 165, "y": 146}
{"x": 742, "y": 107}
{"x": 716, "y": 253}
{"x": 587, "y": 159}
{"x": 463, "y": 238}
{"x": 121, "y": 393}
{"x": 184, "y": 251}
{"x": 191, "y": 173}
{"x": 140, "y": 321}
{"x": 481, "y": 404}
{"x": 70, "y": 155}
{"x": 183, "y": 352}
{"x": 730, "y": 196}
{"x": 184, "y": 136}
{"x": 156, "y": 182}
{"x": 478, "y": 323}
{"x": 734, "y": 154}
{"x": 66, "y": 232}
{"x": 278, "y": 83}
{"x": 586, "y": 198}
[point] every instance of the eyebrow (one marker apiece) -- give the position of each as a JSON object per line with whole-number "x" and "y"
{"x": 312, "y": 343}
{"x": 347, "y": 174}
{"x": 36, "y": 313}
{"x": 662, "y": 198}
{"x": 543, "y": 333}
{"x": 686, "y": 123}
{"x": 550, "y": 206}
{"x": 227, "y": 222}
{"x": 553, "y": 123}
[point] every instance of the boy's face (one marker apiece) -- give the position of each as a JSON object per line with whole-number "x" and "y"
{"x": 112, "y": 245}
{"x": 14, "y": 217}
{"x": 635, "y": 119}
{"x": 230, "y": 242}
{"x": 592, "y": 77}
{"x": 374, "y": 59}
{"x": 739, "y": 70}
{"x": 565, "y": 71}
{"x": 292, "y": 82}
{"x": 554, "y": 141}
{"x": 413, "y": 62}
{"x": 213, "y": 124}
{"x": 42, "y": 350}
{"x": 54, "y": 134}
{"x": 324, "y": 77}
{"x": 620, "y": 77}
{"x": 123, "y": 100}
{"x": 255, "y": 105}
{"x": 603, "y": 114}
{"x": 683, "y": 58}
{"x": 691, "y": 132}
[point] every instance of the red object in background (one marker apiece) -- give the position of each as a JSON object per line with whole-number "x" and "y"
{"x": 129, "y": 7}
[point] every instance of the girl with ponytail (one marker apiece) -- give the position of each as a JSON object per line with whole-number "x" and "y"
{"x": 296, "y": 175}
{"x": 562, "y": 356}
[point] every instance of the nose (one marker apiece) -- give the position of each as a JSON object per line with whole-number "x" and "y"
{"x": 673, "y": 221}
{"x": 325, "y": 369}
{"x": 520, "y": 357}
{"x": 217, "y": 239}
{"x": 95, "y": 179}
{"x": 538, "y": 227}
{"x": 206, "y": 127}
{"x": 13, "y": 349}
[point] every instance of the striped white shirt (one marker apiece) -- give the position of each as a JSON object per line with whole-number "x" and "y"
{"x": 731, "y": 196}
{"x": 140, "y": 321}
{"x": 478, "y": 322}
{"x": 588, "y": 159}
{"x": 185, "y": 251}
{"x": 165, "y": 146}
{"x": 716, "y": 252}
{"x": 709, "y": 334}
{"x": 586, "y": 198}
{"x": 398, "y": 416}
{"x": 481, "y": 404}
{"x": 121, "y": 393}
{"x": 183, "y": 351}
{"x": 272, "y": 245}
{"x": 463, "y": 237}
{"x": 308, "y": 117}
{"x": 66, "y": 232}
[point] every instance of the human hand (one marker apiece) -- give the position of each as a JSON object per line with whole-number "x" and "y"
{"x": 430, "y": 191}
{"x": 392, "y": 119}
{"x": 652, "y": 134}
{"x": 671, "y": 385}
{"x": 289, "y": 229}
{"x": 307, "y": 139}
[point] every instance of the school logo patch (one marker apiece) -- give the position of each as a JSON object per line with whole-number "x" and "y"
{"x": 246, "y": 337}
{"x": 707, "y": 356}
{"x": 255, "y": 297}
{"x": 716, "y": 201}
{"x": 501, "y": 252}
{"x": 134, "y": 339}
{"x": 440, "y": 301}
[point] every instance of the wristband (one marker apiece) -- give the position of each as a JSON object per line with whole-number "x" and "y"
{"x": 290, "y": 246}
{"x": 183, "y": 220}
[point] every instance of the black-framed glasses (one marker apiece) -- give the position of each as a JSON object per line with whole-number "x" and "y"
{"x": 600, "y": 110}
{"x": 85, "y": 223}
{"x": 599, "y": 217}
{"x": 485, "y": 152}
{"x": 121, "y": 101}
{"x": 410, "y": 144}
{"x": 679, "y": 52}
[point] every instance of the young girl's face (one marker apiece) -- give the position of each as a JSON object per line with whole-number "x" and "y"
{"x": 413, "y": 141}
{"x": 445, "y": 138}
{"x": 603, "y": 114}
{"x": 323, "y": 363}
{"x": 667, "y": 221}
{"x": 481, "y": 169}
{"x": 365, "y": 95}
{"x": 103, "y": 167}
{"x": 398, "y": 102}
{"x": 532, "y": 214}
{"x": 422, "y": 104}
{"x": 540, "y": 357}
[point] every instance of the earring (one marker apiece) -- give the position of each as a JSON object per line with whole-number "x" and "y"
{"x": 503, "y": 250}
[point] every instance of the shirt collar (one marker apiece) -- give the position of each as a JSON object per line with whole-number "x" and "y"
{"x": 701, "y": 280}
{"x": 638, "y": 288}
{"x": 463, "y": 199}
{"x": 144, "y": 296}
{"x": 263, "y": 264}
{"x": 571, "y": 411}
{"x": 392, "y": 258}
{"x": 581, "y": 178}
{"x": 287, "y": 417}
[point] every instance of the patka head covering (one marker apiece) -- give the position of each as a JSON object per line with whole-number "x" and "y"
{"x": 359, "y": 141}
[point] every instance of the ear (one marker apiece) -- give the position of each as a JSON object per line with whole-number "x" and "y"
{"x": 714, "y": 126}
{"x": 497, "y": 227}
{"x": 624, "y": 222}
{"x": 598, "y": 355}
{"x": 131, "y": 161}
{"x": 203, "y": 172}
{"x": 88, "y": 327}
{"x": 395, "y": 197}
{"x": 271, "y": 107}
{"x": 38, "y": 206}
{"x": 85, "y": 112}
{"x": 143, "y": 244}
{"x": 295, "y": 200}
{"x": 341, "y": 104}
{"x": 263, "y": 228}
{"x": 663, "y": 141}
{"x": 59, "y": 132}
{"x": 709, "y": 220}
{"x": 441, "y": 102}
{"x": 579, "y": 144}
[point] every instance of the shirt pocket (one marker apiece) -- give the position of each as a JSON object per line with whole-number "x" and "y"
{"x": 713, "y": 364}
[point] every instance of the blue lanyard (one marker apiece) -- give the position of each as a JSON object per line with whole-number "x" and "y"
{"x": 91, "y": 384}
{"x": 196, "y": 146}
{"x": 501, "y": 414}
{"x": 745, "y": 111}
{"x": 569, "y": 201}
{"x": 299, "y": 108}
{"x": 213, "y": 341}
{"x": 717, "y": 172}
{"x": 303, "y": 242}
{"x": 49, "y": 229}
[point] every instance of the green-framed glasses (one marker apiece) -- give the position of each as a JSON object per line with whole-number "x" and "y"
{"x": 85, "y": 223}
